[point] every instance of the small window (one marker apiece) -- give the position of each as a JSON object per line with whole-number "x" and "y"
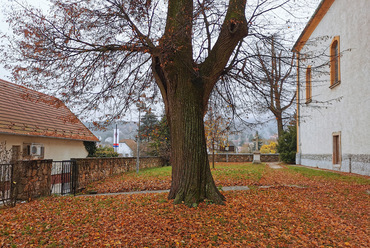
{"x": 334, "y": 62}
{"x": 337, "y": 157}
{"x": 26, "y": 154}
{"x": 308, "y": 85}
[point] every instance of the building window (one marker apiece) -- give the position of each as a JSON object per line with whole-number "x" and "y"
{"x": 337, "y": 154}
{"x": 334, "y": 62}
{"x": 308, "y": 85}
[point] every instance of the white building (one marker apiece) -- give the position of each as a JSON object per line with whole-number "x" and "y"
{"x": 334, "y": 87}
{"x": 127, "y": 148}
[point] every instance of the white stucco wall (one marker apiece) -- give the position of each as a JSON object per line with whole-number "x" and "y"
{"x": 56, "y": 149}
{"x": 125, "y": 150}
{"x": 349, "y": 108}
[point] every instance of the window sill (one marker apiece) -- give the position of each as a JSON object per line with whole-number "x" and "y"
{"x": 334, "y": 85}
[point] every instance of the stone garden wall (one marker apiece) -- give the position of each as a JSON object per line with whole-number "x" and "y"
{"x": 243, "y": 157}
{"x": 95, "y": 169}
{"x": 32, "y": 178}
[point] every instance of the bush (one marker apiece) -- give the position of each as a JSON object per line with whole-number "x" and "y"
{"x": 287, "y": 146}
{"x": 105, "y": 152}
{"x": 269, "y": 149}
{"x": 90, "y": 147}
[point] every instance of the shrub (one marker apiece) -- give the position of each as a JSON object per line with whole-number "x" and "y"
{"x": 270, "y": 148}
{"x": 105, "y": 152}
{"x": 287, "y": 146}
{"x": 90, "y": 147}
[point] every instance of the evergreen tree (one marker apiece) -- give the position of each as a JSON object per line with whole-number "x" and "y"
{"x": 148, "y": 124}
{"x": 160, "y": 140}
{"x": 287, "y": 146}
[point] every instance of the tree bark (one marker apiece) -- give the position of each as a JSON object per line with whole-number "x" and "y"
{"x": 280, "y": 127}
{"x": 192, "y": 181}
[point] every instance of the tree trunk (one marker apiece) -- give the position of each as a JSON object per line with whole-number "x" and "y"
{"x": 279, "y": 122}
{"x": 213, "y": 153}
{"x": 192, "y": 181}
{"x": 186, "y": 87}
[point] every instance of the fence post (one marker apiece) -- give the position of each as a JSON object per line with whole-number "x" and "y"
{"x": 74, "y": 176}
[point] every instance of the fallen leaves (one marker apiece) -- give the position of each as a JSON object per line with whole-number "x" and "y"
{"x": 325, "y": 212}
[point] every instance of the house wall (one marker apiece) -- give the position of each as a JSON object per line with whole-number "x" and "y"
{"x": 125, "y": 150}
{"x": 343, "y": 109}
{"x": 56, "y": 149}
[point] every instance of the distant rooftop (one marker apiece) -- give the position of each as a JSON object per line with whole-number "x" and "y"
{"x": 27, "y": 112}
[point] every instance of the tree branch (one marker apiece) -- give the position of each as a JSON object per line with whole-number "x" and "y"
{"x": 234, "y": 28}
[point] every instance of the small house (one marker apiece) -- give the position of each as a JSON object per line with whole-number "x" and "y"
{"x": 34, "y": 125}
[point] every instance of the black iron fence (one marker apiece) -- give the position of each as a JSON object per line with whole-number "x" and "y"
{"x": 6, "y": 186}
{"x": 64, "y": 177}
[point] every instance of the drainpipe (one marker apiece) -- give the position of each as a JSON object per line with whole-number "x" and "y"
{"x": 299, "y": 149}
{"x": 138, "y": 146}
{"x": 350, "y": 163}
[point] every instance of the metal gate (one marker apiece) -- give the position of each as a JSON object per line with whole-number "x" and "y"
{"x": 6, "y": 186}
{"x": 64, "y": 177}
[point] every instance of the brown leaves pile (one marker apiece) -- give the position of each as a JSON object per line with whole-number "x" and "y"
{"x": 320, "y": 212}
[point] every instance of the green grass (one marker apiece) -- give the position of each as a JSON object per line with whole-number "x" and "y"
{"x": 221, "y": 169}
{"x": 329, "y": 175}
{"x": 152, "y": 172}
{"x": 239, "y": 171}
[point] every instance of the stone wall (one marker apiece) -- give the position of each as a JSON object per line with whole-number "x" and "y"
{"x": 353, "y": 163}
{"x": 32, "y": 178}
{"x": 242, "y": 157}
{"x": 95, "y": 169}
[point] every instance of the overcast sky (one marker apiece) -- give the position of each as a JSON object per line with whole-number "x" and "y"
{"x": 5, "y": 4}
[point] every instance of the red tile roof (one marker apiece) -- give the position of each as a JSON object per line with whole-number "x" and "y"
{"x": 27, "y": 112}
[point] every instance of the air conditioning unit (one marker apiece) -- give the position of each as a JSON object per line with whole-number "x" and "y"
{"x": 36, "y": 149}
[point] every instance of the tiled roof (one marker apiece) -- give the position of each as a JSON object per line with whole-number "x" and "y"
{"x": 28, "y": 112}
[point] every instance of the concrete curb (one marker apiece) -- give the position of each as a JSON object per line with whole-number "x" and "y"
{"x": 161, "y": 191}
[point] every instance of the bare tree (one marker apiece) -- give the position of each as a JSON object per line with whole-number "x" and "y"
{"x": 216, "y": 126}
{"x": 271, "y": 80}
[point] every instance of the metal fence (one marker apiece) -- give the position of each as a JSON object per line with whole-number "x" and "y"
{"x": 64, "y": 177}
{"x": 6, "y": 186}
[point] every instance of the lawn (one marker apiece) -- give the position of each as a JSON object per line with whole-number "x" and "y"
{"x": 289, "y": 207}
{"x": 225, "y": 174}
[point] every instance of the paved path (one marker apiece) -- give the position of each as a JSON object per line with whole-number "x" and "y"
{"x": 164, "y": 191}
{"x": 274, "y": 165}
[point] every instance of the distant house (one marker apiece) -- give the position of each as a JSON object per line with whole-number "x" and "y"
{"x": 227, "y": 148}
{"x": 127, "y": 148}
{"x": 334, "y": 88}
{"x": 37, "y": 126}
